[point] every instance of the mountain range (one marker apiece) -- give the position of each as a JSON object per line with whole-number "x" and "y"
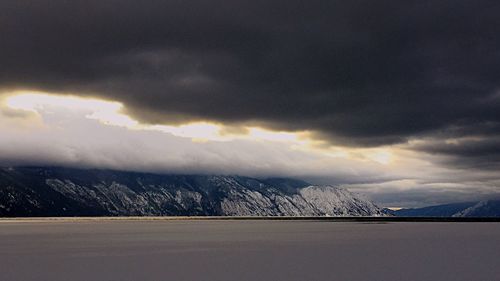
{"x": 485, "y": 208}
{"x": 54, "y": 191}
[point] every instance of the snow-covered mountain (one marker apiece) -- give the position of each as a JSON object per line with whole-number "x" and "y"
{"x": 74, "y": 192}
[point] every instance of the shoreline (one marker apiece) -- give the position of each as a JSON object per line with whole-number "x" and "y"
{"x": 254, "y": 218}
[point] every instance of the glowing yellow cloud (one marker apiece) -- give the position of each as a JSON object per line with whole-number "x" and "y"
{"x": 106, "y": 112}
{"x": 111, "y": 113}
{"x": 34, "y": 100}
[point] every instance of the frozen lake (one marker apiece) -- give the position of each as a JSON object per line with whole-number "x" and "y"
{"x": 248, "y": 250}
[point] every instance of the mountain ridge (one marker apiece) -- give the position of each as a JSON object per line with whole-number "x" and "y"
{"x": 53, "y": 191}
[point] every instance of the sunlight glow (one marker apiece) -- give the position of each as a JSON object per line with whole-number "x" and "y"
{"x": 261, "y": 134}
{"x": 380, "y": 156}
{"x": 106, "y": 112}
{"x": 110, "y": 113}
{"x": 36, "y": 100}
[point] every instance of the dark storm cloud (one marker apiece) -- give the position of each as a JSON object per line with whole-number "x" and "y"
{"x": 479, "y": 153}
{"x": 355, "y": 72}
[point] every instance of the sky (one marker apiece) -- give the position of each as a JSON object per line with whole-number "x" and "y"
{"x": 396, "y": 100}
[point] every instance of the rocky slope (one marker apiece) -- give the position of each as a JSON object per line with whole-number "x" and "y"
{"x": 73, "y": 192}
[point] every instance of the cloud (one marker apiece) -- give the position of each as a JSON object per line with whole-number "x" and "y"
{"x": 355, "y": 73}
{"x": 414, "y": 84}
{"x": 477, "y": 152}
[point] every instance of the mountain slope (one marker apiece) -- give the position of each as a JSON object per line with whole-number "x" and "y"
{"x": 32, "y": 191}
{"x": 446, "y": 210}
{"x": 488, "y": 208}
